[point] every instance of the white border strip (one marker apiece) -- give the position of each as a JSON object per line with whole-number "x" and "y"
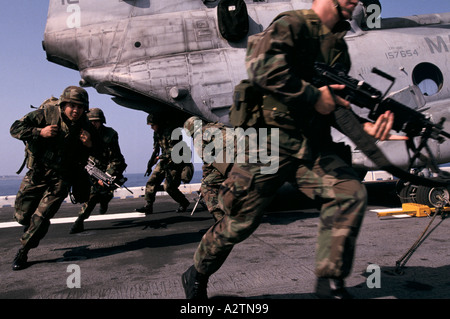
{"x": 66, "y": 220}
{"x": 121, "y": 193}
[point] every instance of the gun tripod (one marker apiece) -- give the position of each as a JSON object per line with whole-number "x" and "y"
{"x": 400, "y": 263}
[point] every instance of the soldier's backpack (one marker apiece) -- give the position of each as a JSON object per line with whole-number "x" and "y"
{"x": 232, "y": 18}
{"x": 52, "y": 101}
{"x": 28, "y": 160}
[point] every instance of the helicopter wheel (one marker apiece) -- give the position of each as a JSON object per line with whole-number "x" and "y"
{"x": 432, "y": 196}
{"x": 406, "y": 191}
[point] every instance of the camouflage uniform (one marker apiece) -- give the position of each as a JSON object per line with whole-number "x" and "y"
{"x": 166, "y": 169}
{"x": 209, "y": 189}
{"x": 280, "y": 62}
{"x": 214, "y": 172}
{"x": 55, "y": 164}
{"x": 109, "y": 160}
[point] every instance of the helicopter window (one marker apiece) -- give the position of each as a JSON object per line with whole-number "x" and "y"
{"x": 428, "y": 78}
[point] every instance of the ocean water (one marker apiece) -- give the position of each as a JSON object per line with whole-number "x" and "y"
{"x": 9, "y": 184}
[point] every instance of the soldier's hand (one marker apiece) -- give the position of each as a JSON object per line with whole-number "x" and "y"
{"x": 85, "y": 138}
{"x": 381, "y": 128}
{"x": 49, "y": 131}
{"x": 328, "y": 100}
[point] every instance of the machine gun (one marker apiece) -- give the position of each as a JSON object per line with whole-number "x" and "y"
{"x": 107, "y": 179}
{"x": 407, "y": 120}
{"x": 361, "y": 94}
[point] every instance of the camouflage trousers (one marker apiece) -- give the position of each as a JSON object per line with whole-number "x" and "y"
{"x": 209, "y": 188}
{"x": 171, "y": 175}
{"x": 39, "y": 198}
{"x": 98, "y": 194}
{"x": 246, "y": 193}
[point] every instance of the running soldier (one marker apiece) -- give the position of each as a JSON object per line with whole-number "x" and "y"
{"x": 110, "y": 160}
{"x": 215, "y": 166}
{"x": 59, "y": 140}
{"x": 280, "y": 65}
{"x": 166, "y": 168}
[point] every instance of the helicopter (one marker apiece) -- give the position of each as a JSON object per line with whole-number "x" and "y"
{"x": 175, "y": 56}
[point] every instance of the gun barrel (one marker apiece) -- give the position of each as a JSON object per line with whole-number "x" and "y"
{"x": 118, "y": 186}
{"x": 383, "y": 74}
{"x": 445, "y": 134}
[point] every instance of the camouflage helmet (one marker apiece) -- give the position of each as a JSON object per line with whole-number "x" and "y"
{"x": 190, "y": 125}
{"x": 96, "y": 114}
{"x": 153, "y": 118}
{"x": 75, "y": 94}
{"x": 367, "y": 3}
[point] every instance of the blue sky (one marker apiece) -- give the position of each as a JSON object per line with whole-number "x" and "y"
{"x": 28, "y": 78}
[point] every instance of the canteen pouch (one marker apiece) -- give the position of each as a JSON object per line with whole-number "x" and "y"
{"x": 246, "y": 110}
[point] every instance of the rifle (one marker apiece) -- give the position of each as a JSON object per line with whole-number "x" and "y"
{"x": 200, "y": 197}
{"x": 107, "y": 179}
{"x": 152, "y": 161}
{"x": 406, "y": 119}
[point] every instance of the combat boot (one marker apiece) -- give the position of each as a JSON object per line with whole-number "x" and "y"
{"x": 183, "y": 207}
{"x": 77, "y": 227}
{"x": 194, "y": 284}
{"x": 328, "y": 288}
{"x": 147, "y": 209}
{"x": 103, "y": 208}
{"x": 20, "y": 261}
